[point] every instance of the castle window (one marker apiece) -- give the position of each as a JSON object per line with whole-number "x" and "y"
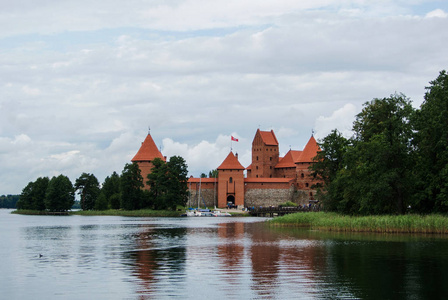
{"x": 270, "y": 158}
{"x": 230, "y": 180}
{"x": 306, "y": 184}
{"x": 257, "y": 158}
{"x": 302, "y": 175}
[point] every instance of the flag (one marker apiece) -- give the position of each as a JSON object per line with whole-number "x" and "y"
{"x": 233, "y": 139}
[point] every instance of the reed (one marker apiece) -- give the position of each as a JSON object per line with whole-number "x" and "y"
{"x": 384, "y": 224}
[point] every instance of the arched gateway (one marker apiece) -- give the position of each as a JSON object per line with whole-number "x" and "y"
{"x": 231, "y": 182}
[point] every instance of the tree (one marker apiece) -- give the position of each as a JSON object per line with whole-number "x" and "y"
{"x": 33, "y": 195}
{"x": 381, "y": 157}
{"x": 168, "y": 183}
{"x": 178, "y": 175}
{"x": 431, "y": 142}
{"x": 60, "y": 194}
{"x": 329, "y": 163}
{"x": 101, "y": 202}
{"x": 213, "y": 174}
{"x": 158, "y": 181}
{"x": 88, "y": 188}
{"x": 372, "y": 172}
{"x": 9, "y": 201}
{"x": 111, "y": 190}
{"x": 131, "y": 185}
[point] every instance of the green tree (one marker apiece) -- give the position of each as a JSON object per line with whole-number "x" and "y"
{"x": 9, "y": 201}
{"x": 213, "y": 174}
{"x": 328, "y": 168}
{"x": 101, "y": 202}
{"x": 33, "y": 195}
{"x": 88, "y": 188}
{"x": 60, "y": 195}
{"x": 380, "y": 169}
{"x": 178, "y": 175}
{"x": 168, "y": 183}
{"x": 431, "y": 142}
{"x": 131, "y": 185}
{"x": 372, "y": 172}
{"x": 158, "y": 181}
{"x": 111, "y": 190}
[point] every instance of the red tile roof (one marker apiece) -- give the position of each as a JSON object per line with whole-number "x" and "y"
{"x": 202, "y": 180}
{"x": 268, "y": 180}
{"x": 268, "y": 137}
{"x": 148, "y": 151}
{"x": 231, "y": 163}
{"x": 309, "y": 151}
{"x": 289, "y": 160}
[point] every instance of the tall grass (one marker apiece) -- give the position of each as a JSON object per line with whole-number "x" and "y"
{"x": 384, "y": 224}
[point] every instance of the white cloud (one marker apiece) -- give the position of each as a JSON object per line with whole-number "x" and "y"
{"x": 437, "y": 13}
{"x": 83, "y": 81}
{"x": 341, "y": 119}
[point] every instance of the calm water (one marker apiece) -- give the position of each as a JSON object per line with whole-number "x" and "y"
{"x": 210, "y": 258}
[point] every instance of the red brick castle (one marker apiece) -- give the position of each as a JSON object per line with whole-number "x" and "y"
{"x": 270, "y": 180}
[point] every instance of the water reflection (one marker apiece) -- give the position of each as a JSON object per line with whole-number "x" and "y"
{"x": 158, "y": 259}
{"x": 144, "y": 258}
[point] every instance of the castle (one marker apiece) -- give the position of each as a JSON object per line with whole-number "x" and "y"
{"x": 270, "y": 180}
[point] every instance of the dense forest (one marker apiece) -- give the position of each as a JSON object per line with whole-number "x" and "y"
{"x": 396, "y": 161}
{"x": 168, "y": 182}
{"x": 8, "y": 201}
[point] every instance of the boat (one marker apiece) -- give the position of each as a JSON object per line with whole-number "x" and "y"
{"x": 218, "y": 213}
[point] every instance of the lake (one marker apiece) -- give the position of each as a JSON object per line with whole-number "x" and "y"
{"x": 80, "y": 257}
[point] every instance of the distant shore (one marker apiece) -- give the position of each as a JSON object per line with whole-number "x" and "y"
{"x": 437, "y": 224}
{"x": 118, "y": 212}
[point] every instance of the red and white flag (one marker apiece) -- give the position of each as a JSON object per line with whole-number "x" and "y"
{"x": 233, "y": 139}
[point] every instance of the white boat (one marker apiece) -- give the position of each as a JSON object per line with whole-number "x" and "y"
{"x": 193, "y": 213}
{"x": 218, "y": 213}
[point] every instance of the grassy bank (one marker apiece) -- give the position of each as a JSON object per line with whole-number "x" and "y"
{"x": 383, "y": 224}
{"x": 111, "y": 212}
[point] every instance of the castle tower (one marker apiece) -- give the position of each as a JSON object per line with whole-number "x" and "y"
{"x": 146, "y": 154}
{"x": 230, "y": 181}
{"x": 265, "y": 155}
{"x": 304, "y": 180}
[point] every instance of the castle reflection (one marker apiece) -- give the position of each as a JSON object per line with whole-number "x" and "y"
{"x": 253, "y": 260}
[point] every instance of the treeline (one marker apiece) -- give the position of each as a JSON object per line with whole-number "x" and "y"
{"x": 395, "y": 162}
{"x": 168, "y": 188}
{"x": 8, "y": 201}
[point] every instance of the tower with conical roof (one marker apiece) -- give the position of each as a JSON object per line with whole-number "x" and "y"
{"x": 304, "y": 180}
{"x": 146, "y": 154}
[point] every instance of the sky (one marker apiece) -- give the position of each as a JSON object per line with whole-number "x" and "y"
{"x": 82, "y": 82}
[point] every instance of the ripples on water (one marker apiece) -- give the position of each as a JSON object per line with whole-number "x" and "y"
{"x": 208, "y": 258}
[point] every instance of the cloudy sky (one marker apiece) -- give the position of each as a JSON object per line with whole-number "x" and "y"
{"x": 81, "y": 81}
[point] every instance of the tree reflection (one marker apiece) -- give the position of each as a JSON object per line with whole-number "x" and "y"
{"x": 158, "y": 258}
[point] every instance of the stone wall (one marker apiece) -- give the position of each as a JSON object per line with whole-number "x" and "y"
{"x": 266, "y": 197}
{"x": 275, "y": 197}
{"x": 206, "y": 194}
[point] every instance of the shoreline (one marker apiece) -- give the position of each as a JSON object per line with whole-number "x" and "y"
{"x": 325, "y": 221}
{"x": 122, "y": 213}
